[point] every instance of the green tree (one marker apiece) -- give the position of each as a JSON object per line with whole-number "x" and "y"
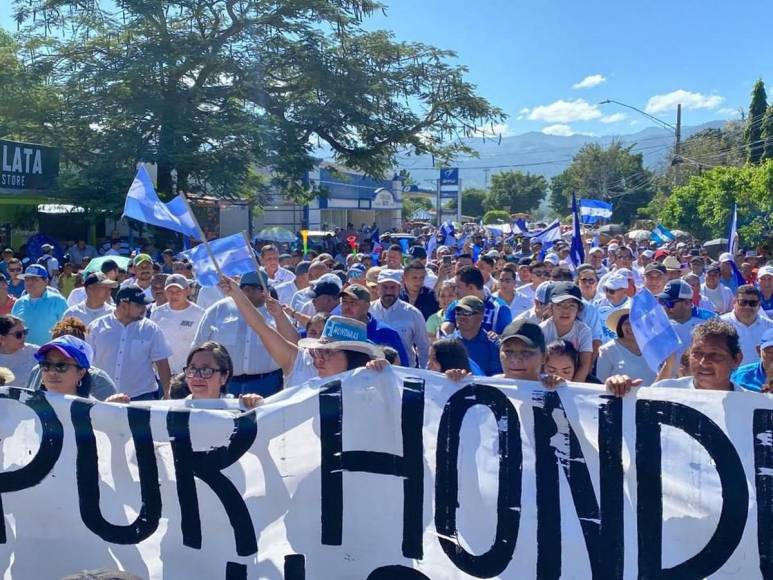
{"x": 413, "y": 204}
{"x": 496, "y": 216}
{"x": 207, "y": 89}
{"x": 612, "y": 174}
{"x": 703, "y": 205}
{"x": 473, "y": 202}
{"x": 513, "y": 191}
{"x": 767, "y": 134}
{"x": 753, "y": 133}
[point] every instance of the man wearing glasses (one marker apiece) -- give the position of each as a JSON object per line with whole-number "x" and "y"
{"x": 15, "y": 282}
{"x": 615, "y": 298}
{"x": 747, "y": 321}
{"x": 676, "y": 300}
{"x": 254, "y": 369}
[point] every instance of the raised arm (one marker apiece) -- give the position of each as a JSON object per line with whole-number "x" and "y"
{"x": 282, "y": 351}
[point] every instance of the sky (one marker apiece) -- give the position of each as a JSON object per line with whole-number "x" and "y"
{"x": 548, "y": 63}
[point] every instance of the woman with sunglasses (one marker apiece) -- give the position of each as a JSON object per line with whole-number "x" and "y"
{"x": 15, "y": 353}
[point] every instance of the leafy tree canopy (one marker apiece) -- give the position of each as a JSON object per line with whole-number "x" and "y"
{"x": 496, "y": 216}
{"x": 473, "y": 202}
{"x": 207, "y": 89}
{"x": 513, "y": 191}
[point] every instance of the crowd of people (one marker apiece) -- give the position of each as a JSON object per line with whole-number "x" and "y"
{"x": 480, "y": 306}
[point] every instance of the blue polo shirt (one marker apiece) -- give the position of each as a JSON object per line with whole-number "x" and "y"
{"x": 496, "y": 314}
{"x": 40, "y": 314}
{"x": 751, "y": 377}
{"x": 484, "y": 352}
{"x": 384, "y": 335}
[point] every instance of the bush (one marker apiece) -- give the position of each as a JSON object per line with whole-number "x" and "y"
{"x": 496, "y": 216}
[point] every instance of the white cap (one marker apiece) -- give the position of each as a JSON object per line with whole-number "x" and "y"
{"x": 681, "y": 245}
{"x": 552, "y": 258}
{"x": 613, "y": 246}
{"x": 387, "y": 275}
{"x": 726, "y": 257}
{"x": 625, "y": 273}
{"x": 596, "y": 250}
{"x": 672, "y": 263}
{"x": 648, "y": 254}
{"x": 616, "y": 282}
{"x": 330, "y": 277}
{"x": 764, "y": 271}
{"x": 766, "y": 340}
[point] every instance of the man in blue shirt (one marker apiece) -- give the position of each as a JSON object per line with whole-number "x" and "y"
{"x": 758, "y": 376}
{"x": 496, "y": 314}
{"x": 355, "y": 302}
{"x": 483, "y": 350}
{"x": 41, "y": 307}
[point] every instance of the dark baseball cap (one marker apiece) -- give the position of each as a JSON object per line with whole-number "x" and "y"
{"x": 325, "y": 288}
{"x": 565, "y": 291}
{"x": 654, "y": 267}
{"x": 676, "y": 290}
{"x": 471, "y": 304}
{"x": 254, "y": 278}
{"x": 133, "y": 293}
{"x": 417, "y": 253}
{"x": 357, "y": 291}
{"x": 98, "y": 278}
{"x": 528, "y": 332}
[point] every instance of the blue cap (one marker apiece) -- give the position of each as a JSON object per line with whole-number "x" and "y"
{"x": 70, "y": 346}
{"x": 36, "y": 271}
{"x": 676, "y": 290}
{"x": 254, "y": 279}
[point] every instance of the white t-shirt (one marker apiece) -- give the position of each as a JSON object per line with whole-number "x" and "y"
{"x": 20, "y": 363}
{"x": 749, "y": 336}
{"x": 580, "y": 335}
{"x": 77, "y": 296}
{"x": 680, "y": 383}
{"x": 87, "y": 315}
{"x": 615, "y": 359}
{"x": 208, "y": 295}
{"x": 179, "y": 328}
{"x": 721, "y": 297}
{"x": 303, "y": 369}
{"x": 684, "y": 332}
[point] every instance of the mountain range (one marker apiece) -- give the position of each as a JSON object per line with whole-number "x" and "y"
{"x": 546, "y": 155}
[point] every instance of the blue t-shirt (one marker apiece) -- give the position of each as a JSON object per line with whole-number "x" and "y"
{"x": 485, "y": 353}
{"x": 750, "y": 377}
{"x": 496, "y": 314}
{"x": 384, "y": 335}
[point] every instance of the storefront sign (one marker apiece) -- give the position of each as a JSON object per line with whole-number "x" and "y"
{"x": 25, "y": 166}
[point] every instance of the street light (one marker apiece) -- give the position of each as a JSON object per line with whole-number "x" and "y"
{"x": 661, "y": 121}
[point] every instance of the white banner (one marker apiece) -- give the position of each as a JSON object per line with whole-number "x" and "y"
{"x": 392, "y": 475}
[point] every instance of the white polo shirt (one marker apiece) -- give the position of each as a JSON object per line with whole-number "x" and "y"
{"x": 127, "y": 353}
{"x": 749, "y": 336}
{"x": 179, "y": 328}
{"x": 409, "y": 322}
{"x": 223, "y": 323}
{"x": 88, "y": 315}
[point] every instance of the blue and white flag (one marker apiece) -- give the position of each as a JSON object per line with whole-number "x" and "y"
{"x": 431, "y": 245}
{"x": 596, "y": 241}
{"x": 447, "y": 231}
{"x": 143, "y": 205}
{"x": 576, "y": 251}
{"x": 654, "y": 333}
{"x": 594, "y": 210}
{"x": 732, "y": 235}
{"x": 551, "y": 233}
{"x": 519, "y": 227}
{"x": 233, "y": 255}
{"x": 374, "y": 237}
{"x": 662, "y": 235}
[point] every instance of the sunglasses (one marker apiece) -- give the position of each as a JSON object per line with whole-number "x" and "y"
{"x": 669, "y": 303}
{"x": 59, "y": 368}
{"x": 588, "y": 280}
{"x": 752, "y": 303}
{"x": 19, "y": 334}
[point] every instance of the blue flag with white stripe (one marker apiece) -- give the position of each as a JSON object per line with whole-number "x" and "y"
{"x": 594, "y": 210}
{"x": 576, "y": 251}
{"x": 732, "y": 235}
{"x": 654, "y": 333}
{"x": 233, "y": 255}
{"x": 447, "y": 231}
{"x": 142, "y": 204}
{"x": 662, "y": 235}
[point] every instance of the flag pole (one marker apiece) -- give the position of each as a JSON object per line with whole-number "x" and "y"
{"x": 202, "y": 236}
{"x": 252, "y": 251}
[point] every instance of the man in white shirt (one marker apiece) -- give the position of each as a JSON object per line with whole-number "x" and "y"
{"x": 720, "y": 295}
{"x": 676, "y": 300}
{"x": 178, "y": 319}
{"x": 524, "y": 295}
{"x": 269, "y": 261}
{"x": 747, "y": 321}
{"x": 407, "y": 320}
{"x": 143, "y": 274}
{"x": 596, "y": 257}
{"x": 127, "y": 345}
{"x": 254, "y": 369}
{"x": 286, "y": 290}
{"x": 97, "y": 287}
{"x": 50, "y": 263}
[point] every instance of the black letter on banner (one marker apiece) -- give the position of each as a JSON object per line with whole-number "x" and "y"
{"x": 499, "y": 555}
{"x": 602, "y": 527}
{"x": 763, "y": 480}
{"x": 396, "y": 572}
{"x": 650, "y": 415}
{"x": 208, "y": 466}
{"x": 409, "y": 466}
{"x": 88, "y": 477}
{"x": 295, "y": 567}
{"x": 50, "y": 448}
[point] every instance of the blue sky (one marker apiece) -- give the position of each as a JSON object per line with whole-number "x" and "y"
{"x": 529, "y": 56}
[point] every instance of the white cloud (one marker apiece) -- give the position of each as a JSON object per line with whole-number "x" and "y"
{"x": 729, "y": 112}
{"x": 589, "y": 82}
{"x": 688, "y": 100}
{"x": 524, "y": 111}
{"x": 498, "y": 129}
{"x": 559, "y": 130}
{"x": 614, "y": 118}
{"x": 565, "y": 112}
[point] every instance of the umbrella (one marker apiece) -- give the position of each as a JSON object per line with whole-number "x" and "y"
{"x": 276, "y": 234}
{"x": 716, "y": 247}
{"x": 95, "y": 265}
{"x": 680, "y": 234}
{"x": 611, "y": 229}
{"x": 639, "y": 235}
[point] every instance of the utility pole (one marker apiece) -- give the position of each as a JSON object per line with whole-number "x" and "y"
{"x": 485, "y": 173}
{"x": 678, "y": 130}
